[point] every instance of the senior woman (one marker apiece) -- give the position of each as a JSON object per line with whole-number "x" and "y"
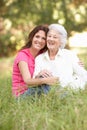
{"x": 60, "y": 62}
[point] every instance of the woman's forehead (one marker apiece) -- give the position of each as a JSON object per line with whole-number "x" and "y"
{"x": 40, "y": 32}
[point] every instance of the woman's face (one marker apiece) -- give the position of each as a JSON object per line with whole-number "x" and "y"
{"x": 53, "y": 40}
{"x": 39, "y": 40}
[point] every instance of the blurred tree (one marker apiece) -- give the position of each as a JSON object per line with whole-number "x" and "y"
{"x": 70, "y": 13}
{"x": 22, "y": 15}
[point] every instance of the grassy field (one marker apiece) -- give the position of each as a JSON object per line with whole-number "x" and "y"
{"x": 48, "y": 112}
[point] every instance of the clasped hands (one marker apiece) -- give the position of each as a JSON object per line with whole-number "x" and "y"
{"x": 47, "y": 75}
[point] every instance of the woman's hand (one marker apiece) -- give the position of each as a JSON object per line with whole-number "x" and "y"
{"x": 51, "y": 80}
{"x": 47, "y": 77}
{"x": 81, "y": 63}
{"x": 44, "y": 74}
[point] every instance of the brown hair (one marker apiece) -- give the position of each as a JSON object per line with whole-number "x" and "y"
{"x": 32, "y": 33}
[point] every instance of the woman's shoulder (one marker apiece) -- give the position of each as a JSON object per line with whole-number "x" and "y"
{"x": 69, "y": 52}
{"x": 22, "y": 54}
{"x": 25, "y": 51}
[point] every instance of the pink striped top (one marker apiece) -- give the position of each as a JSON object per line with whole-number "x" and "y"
{"x": 18, "y": 84}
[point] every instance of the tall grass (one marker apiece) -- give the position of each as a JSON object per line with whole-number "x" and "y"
{"x": 48, "y": 112}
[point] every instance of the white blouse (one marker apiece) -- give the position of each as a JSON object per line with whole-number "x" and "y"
{"x": 65, "y": 66}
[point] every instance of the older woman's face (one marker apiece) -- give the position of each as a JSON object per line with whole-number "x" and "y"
{"x": 53, "y": 40}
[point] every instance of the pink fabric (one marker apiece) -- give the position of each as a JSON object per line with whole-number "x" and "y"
{"x": 18, "y": 84}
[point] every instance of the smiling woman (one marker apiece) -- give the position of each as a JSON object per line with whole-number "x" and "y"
{"x": 24, "y": 64}
{"x": 61, "y": 62}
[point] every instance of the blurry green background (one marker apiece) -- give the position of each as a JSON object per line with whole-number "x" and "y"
{"x": 18, "y": 17}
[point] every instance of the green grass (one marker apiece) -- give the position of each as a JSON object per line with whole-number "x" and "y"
{"x": 48, "y": 112}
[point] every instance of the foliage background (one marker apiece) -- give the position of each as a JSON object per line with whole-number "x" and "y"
{"x": 18, "y": 17}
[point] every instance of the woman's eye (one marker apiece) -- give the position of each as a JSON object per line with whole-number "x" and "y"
{"x": 48, "y": 36}
{"x": 55, "y": 37}
{"x": 37, "y": 36}
{"x": 44, "y": 38}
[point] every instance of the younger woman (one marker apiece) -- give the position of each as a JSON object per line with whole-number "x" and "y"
{"x": 24, "y": 63}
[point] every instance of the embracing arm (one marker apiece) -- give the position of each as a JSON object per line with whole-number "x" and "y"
{"x": 81, "y": 63}
{"x": 23, "y": 67}
{"x": 80, "y": 73}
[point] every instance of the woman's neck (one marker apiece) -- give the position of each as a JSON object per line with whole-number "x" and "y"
{"x": 33, "y": 52}
{"x": 52, "y": 54}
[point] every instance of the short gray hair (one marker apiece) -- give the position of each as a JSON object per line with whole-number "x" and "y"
{"x": 62, "y": 31}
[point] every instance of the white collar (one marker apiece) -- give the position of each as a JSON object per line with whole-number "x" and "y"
{"x": 59, "y": 53}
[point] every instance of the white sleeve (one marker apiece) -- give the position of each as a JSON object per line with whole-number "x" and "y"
{"x": 78, "y": 82}
{"x": 37, "y": 66}
{"x": 79, "y": 73}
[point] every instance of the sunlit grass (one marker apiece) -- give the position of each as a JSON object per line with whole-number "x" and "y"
{"x": 48, "y": 112}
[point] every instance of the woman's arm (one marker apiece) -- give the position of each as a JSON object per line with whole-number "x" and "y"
{"x": 23, "y": 67}
{"x": 81, "y": 63}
